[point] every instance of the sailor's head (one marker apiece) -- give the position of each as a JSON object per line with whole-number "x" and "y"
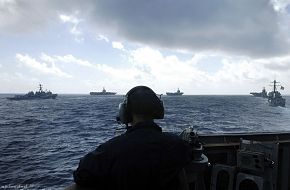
{"x": 140, "y": 103}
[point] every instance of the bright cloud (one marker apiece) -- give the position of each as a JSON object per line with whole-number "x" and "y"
{"x": 118, "y": 45}
{"x": 75, "y": 29}
{"x": 102, "y": 37}
{"x": 235, "y": 76}
{"x": 41, "y": 67}
{"x": 148, "y": 66}
{"x": 72, "y": 59}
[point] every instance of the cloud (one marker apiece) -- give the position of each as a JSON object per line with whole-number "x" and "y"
{"x": 236, "y": 75}
{"x": 111, "y": 72}
{"x": 47, "y": 67}
{"x": 166, "y": 72}
{"x": 74, "y": 60}
{"x": 24, "y": 16}
{"x": 118, "y": 45}
{"x": 279, "y": 5}
{"x": 20, "y": 16}
{"x": 277, "y": 64}
{"x": 74, "y": 21}
{"x": 101, "y": 37}
{"x": 163, "y": 72}
{"x": 240, "y": 27}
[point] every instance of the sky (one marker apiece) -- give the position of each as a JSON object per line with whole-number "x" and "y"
{"x": 201, "y": 47}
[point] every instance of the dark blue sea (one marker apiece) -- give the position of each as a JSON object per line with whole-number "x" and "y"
{"x": 42, "y": 141}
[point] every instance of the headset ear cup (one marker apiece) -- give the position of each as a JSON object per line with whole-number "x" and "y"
{"x": 159, "y": 114}
{"x": 162, "y": 110}
{"x": 123, "y": 113}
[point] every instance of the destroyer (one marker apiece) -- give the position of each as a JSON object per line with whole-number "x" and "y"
{"x": 104, "y": 92}
{"x": 177, "y": 93}
{"x": 275, "y": 98}
{"x": 40, "y": 94}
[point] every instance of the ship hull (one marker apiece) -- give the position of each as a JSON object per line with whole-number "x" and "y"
{"x": 103, "y": 93}
{"x": 173, "y": 94}
{"x": 259, "y": 94}
{"x": 277, "y": 102}
{"x": 17, "y": 98}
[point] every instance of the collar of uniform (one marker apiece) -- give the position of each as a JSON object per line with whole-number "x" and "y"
{"x": 144, "y": 125}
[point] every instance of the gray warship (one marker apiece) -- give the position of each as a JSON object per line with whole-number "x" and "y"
{"x": 275, "y": 98}
{"x": 177, "y": 93}
{"x": 40, "y": 94}
{"x": 262, "y": 94}
{"x": 102, "y": 93}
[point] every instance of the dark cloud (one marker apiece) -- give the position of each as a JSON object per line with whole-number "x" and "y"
{"x": 242, "y": 27}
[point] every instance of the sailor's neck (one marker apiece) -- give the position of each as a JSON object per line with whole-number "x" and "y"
{"x": 140, "y": 119}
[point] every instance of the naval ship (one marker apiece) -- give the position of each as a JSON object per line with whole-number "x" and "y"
{"x": 40, "y": 94}
{"x": 275, "y": 98}
{"x": 103, "y": 93}
{"x": 262, "y": 94}
{"x": 177, "y": 93}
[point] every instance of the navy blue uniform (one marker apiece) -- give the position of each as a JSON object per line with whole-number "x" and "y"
{"x": 142, "y": 158}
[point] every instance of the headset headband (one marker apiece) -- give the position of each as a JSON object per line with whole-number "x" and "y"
{"x": 140, "y": 100}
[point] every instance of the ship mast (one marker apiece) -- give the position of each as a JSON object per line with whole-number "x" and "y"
{"x": 40, "y": 88}
{"x": 275, "y": 85}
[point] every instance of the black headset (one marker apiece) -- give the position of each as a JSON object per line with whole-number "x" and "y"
{"x": 140, "y": 100}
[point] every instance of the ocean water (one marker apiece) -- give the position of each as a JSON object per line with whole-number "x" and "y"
{"x": 42, "y": 141}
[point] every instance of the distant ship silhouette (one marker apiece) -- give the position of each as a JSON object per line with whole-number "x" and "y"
{"x": 103, "y": 92}
{"x": 177, "y": 93}
{"x": 262, "y": 94}
{"x": 40, "y": 94}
